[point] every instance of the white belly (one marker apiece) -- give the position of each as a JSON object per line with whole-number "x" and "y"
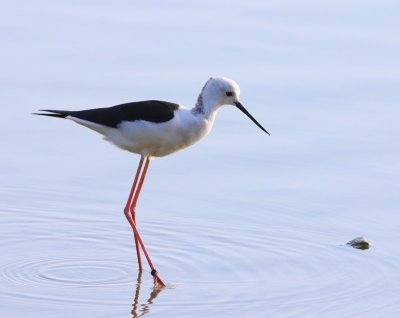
{"x": 156, "y": 139}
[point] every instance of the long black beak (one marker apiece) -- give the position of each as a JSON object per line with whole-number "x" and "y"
{"x": 244, "y": 110}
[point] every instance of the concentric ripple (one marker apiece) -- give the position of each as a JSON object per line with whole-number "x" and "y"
{"x": 67, "y": 272}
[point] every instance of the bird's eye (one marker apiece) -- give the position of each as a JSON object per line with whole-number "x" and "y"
{"x": 229, "y": 94}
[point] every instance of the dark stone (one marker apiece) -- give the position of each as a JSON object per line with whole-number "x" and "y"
{"x": 360, "y": 243}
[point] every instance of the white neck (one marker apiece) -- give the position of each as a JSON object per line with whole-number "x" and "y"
{"x": 207, "y": 104}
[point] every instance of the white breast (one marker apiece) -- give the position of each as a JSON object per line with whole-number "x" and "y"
{"x": 156, "y": 139}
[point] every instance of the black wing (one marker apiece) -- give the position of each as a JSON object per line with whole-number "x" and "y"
{"x": 151, "y": 110}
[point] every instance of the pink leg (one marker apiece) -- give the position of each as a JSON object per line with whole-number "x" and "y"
{"x": 128, "y": 212}
{"x": 132, "y": 209}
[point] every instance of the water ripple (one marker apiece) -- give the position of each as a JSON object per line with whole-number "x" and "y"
{"x": 67, "y": 272}
{"x": 208, "y": 263}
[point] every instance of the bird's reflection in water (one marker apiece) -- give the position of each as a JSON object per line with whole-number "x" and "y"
{"x": 138, "y": 309}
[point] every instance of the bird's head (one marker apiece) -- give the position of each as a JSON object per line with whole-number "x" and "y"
{"x": 220, "y": 91}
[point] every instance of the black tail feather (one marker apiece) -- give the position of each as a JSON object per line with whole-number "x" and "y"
{"x": 55, "y": 113}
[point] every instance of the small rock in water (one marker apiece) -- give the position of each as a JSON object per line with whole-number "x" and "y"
{"x": 360, "y": 243}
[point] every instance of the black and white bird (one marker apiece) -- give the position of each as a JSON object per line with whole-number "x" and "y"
{"x": 155, "y": 129}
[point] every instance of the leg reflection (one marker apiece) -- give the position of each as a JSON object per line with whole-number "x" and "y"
{"x": 137, "y": 292}
{"x": 138, "y": 309}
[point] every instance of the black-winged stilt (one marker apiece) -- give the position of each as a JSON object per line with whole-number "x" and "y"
{"x": 155, "y": 129}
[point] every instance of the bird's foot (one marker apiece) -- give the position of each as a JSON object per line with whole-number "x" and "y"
{"x": 158, "y": 282}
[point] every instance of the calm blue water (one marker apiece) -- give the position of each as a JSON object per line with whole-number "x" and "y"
{"x": 240, "y": 225}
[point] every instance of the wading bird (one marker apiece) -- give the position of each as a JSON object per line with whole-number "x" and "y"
{"x": 156, "y": 128}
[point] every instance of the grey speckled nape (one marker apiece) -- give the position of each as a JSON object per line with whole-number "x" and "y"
{"x": 199, "y": 107}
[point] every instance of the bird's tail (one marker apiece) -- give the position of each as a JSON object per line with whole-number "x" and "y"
{"x": 54, "y": 113}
